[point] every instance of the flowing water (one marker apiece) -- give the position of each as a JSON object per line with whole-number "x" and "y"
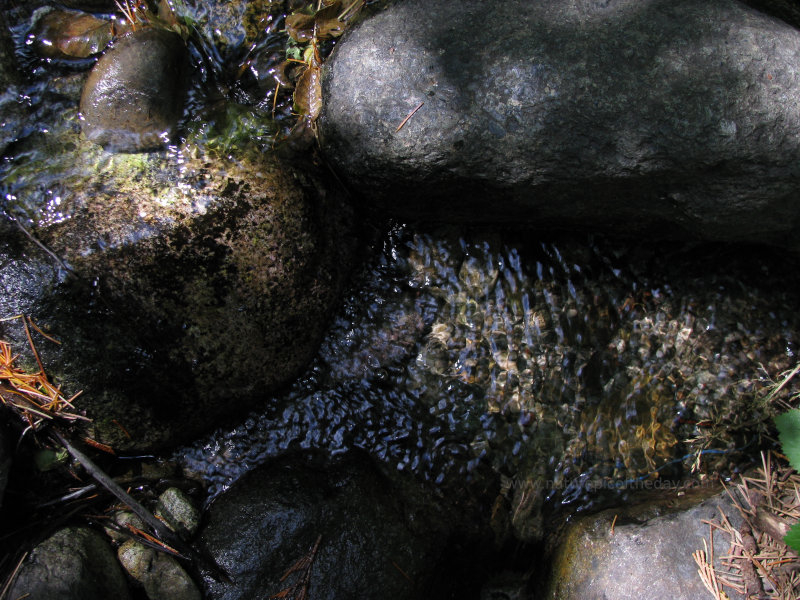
{"x": 564, "y": 370}
{"x": 579, "y": 367}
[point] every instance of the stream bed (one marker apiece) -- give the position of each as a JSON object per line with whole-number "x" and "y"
{"x": 561, "y": 371}
{"x": 569, "y": 371}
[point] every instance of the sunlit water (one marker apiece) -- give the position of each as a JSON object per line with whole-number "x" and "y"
{"x": 579, "y": 363}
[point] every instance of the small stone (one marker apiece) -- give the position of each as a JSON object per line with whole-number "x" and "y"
{"x": 136, "y": 559}
{"x": 169, "y": 581}
{"x": 160, "y": 575}
{"x": 135, "y": 93}
{"x": 69, "y": 34}
{"x": 177, "y": 509}
{"x": 123, "y": 519}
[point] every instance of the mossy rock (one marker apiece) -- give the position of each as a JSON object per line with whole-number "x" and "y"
{"x": 182, "y": 291}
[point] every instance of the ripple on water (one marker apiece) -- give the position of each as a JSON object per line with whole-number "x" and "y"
{"x": 576, "y": 366}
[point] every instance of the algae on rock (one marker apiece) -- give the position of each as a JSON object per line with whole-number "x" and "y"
{"x": 184, "y": 285}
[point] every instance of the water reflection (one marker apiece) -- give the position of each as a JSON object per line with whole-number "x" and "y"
{"x": 583, "y": 363}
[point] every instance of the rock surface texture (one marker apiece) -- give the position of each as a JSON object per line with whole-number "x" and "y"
{"x": 641, "y": 556}
{"x": 135, "y": 93}
{"x": 368, "y": 547}
{"x": 180, "y": 293}
{"x": 639, "y": 116}
{"x": 75, "y": 563}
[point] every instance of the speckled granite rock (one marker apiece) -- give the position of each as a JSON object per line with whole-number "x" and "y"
{"x": 647, "y": 555}
{"x": 75, "y": 563}
{"x": 637, "y": 116}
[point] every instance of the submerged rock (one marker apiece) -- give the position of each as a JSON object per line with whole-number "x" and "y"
{"x": 75, "y": 563}
{"x": 135, "y": 93}
{"x": 635, "y": 116}
{"x": 181, "y": 291}
{"x": 643, "y": 552}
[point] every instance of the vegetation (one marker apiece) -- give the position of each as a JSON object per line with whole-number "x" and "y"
{"x": 762, "y": 559}
{"x": 788, "y": 425}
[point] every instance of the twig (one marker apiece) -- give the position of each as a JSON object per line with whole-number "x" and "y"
{"x": 12, "y": 576}
{"x": 165, "y": 533}
{"x": 299, "y": 589}
{"x": 408, "y": 116}
{"x": 112, "y": 486}
{"x": 47, "y": 250}
{"x": 403, "y": 573}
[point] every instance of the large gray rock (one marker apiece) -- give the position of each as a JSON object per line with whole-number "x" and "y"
{"x": 675, "y": 118}
{"x": 75, "y": 563}
{"x": 640, "y": 553}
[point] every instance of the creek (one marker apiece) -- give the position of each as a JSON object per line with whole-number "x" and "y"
{"x": 580, "y": 368}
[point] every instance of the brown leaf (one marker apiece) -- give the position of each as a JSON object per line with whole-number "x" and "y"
{"x": 308, "y": 93}
{"x": 62, "y": 33}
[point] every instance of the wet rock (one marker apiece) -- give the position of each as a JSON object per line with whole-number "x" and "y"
{"x": 159, "y": 574}
{"x": 124, "y": 519}
{"x": 647, "y": 555}
{"x": 668, "y": 118}
{"x": 69, "y": 34}
{"x": 369, "y": 546}
{"x": 13, "y": 113}
{"x": 75, "y": 563}
{"x": 178, "y": 510}
{"x": 135, "y": 93}
{"x": 182, "y": 292}
{"x": 8, "y": 70}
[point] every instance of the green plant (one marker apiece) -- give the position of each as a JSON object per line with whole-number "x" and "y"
{"x": 788, "y": 425}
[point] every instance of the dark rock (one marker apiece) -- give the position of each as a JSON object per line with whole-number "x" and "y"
{"x": 181, "y": 293}
{"x": 672, "y": 118}
{"x": 135, "y": 93}
{"x": 75, "y": 563}
{"x": 370, "y": 546}
{"x": 12, "y": 110}
{"x": 8, "y": 69}
{"x": 5, "y": 465}
{"x": 646, "y": 554}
